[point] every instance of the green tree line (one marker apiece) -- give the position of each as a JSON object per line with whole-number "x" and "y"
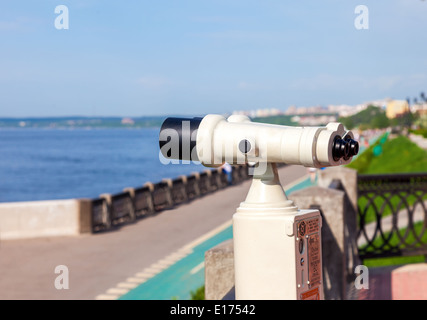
{"x": 374, "y": 117}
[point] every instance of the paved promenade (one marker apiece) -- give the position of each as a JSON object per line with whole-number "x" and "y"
{"x": 99, "y": 262}
{"x": 419, "y": 140}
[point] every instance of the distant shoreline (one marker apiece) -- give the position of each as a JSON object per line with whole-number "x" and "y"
{"x": 76, "y": 128}
{"x": 83, "y": 122}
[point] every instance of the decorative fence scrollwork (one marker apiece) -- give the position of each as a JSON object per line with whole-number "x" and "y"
{"x": 392, "y": 215}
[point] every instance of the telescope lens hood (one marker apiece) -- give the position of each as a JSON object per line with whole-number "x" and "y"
{"x": 181, "y": 134}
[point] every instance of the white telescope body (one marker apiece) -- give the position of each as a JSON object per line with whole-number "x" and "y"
{"x": 214, "y": 140}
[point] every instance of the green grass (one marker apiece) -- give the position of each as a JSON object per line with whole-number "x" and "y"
{"x": 198, "y": 294}
{"x": 398, "y": 155}
{"x": 392, "y": 261}
{"x": 362, "y": 161}
{"x": 421, "y": 132}
{"x": 393, "y": 242}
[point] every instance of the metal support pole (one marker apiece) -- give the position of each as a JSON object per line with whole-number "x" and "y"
{"x": 277, "y": 247}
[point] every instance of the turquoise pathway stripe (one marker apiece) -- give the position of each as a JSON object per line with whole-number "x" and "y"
{"x": 176, "y": 282}
{"x": 362, "y": 147}
{"x": 302, "y": 185}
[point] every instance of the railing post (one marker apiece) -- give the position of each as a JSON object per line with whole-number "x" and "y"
{"x": 183, "y": 188}
{"x": 150, "y": 200}
{"x": 348, "y": 178}
{"x": 196, "y": 175}
{"x": 132, "y": 213}
{"x": 209, "y": 185}
{"x": 169, "y": 187}
{"x": 106, "y": 212}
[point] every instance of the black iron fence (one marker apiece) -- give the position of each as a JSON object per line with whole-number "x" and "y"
{"x": 392, "y": 215}
{"x": 133, "y": 203}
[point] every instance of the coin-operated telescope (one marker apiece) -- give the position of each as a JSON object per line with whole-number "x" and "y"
{"x": 277, "y": 247}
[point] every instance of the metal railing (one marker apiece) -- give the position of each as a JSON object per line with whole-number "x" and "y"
{"x": 392, "y": 215}
{"x": 113, "y": 210}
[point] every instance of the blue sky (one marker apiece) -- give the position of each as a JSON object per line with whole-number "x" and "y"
{"x": 133, "y": 58}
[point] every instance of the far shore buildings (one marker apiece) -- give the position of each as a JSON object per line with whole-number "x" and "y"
{"x": 315, "y": 115}
{"x": 259, "y": 112}
{"x": 396, "y": 108}
{"x": 420, "y": 108}
{"x": 128, "y": 121}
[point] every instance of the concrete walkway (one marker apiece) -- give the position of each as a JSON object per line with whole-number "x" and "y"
{"x": 99, "y": 262}
{"x": 419, "y": 140}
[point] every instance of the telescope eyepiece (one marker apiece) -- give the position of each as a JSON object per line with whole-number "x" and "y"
{"x": 340, "y": 148}
{"x": 344, "y": 148}
{"x": 354, "y": 147}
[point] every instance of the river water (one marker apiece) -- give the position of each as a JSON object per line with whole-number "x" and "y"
{"x": 44, "y": 164}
